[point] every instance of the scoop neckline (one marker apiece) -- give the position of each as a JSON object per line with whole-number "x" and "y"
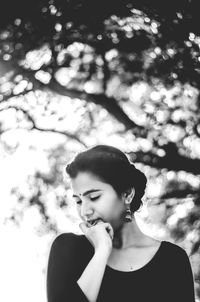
{"x": 141, "y": 268}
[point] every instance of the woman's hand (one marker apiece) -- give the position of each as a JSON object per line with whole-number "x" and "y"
{"x": 100, "y": 235}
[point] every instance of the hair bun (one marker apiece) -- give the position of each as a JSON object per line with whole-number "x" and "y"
{"x": 139, "y": 181}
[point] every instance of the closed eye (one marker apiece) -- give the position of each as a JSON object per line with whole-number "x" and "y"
{"x": 94, "y": 198}
{"x": 91, "y": 198}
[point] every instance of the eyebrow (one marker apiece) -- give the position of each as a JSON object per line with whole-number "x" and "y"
{"x": 86, "y": 193}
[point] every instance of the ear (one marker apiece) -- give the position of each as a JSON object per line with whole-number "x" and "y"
{"x": 128, "y": 195}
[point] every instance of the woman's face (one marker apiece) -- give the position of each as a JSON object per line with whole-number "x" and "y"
{"x": 97, "y": 200}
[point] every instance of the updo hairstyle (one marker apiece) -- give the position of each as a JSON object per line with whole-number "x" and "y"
{"x": 111, "y": 166}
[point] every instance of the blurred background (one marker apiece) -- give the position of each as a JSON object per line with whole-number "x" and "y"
{"x": 75, "y": 73}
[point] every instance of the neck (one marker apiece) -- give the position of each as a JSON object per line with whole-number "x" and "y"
{"x": 128, "y": 235}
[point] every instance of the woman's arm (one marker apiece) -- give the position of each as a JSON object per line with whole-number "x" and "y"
{"x": 70, "y": 279}
{"x": 63, "y": 269}
{"x": 188, "y": 281}
{"x": 100, "y": 236}
{"x": 184, "y": 279}
{"x": 91, "y": 279}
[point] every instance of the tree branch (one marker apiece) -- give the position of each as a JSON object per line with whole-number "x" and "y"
{"x": 107, "y": 103}
{"x": 110, "y": 104}
{"x": 174, "y": 162}
{"x": 180, "y": 193}
{"x": 34, "y": 126}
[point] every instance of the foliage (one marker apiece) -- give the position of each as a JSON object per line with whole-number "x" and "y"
{"x": 129, "y": 70}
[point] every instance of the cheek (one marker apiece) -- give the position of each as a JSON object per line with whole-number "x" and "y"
{"x": 113, "y": 206}
{"x": 78, "y": 209}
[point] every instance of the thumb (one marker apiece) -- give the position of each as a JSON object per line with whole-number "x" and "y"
{"x": 83, "y": 227}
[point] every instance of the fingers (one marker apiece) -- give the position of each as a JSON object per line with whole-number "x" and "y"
{"x": 83, "y": 226}
{"x": 109, "y": 230}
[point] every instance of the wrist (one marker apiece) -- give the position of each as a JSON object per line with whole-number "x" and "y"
{"x": 103, "y": 252}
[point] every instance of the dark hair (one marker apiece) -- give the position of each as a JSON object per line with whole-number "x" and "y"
{"x": 111, "y": 166}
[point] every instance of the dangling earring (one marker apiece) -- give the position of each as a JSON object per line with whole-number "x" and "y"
{"x": 128, "y": 214}
{"x": 128, "y": 199}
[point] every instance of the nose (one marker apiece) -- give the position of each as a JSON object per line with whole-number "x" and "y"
{"x": 86, "y": 210}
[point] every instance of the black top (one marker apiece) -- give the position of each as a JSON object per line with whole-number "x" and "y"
{"x": 167, "y": 277}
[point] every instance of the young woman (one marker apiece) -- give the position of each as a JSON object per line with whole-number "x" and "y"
{"x": 113, "y": 261}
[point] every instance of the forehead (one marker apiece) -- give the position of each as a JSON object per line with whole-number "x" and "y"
{"x": 86, "y": 181}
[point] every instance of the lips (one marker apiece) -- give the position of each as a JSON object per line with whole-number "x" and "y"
{"x": 94, "y": 221}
